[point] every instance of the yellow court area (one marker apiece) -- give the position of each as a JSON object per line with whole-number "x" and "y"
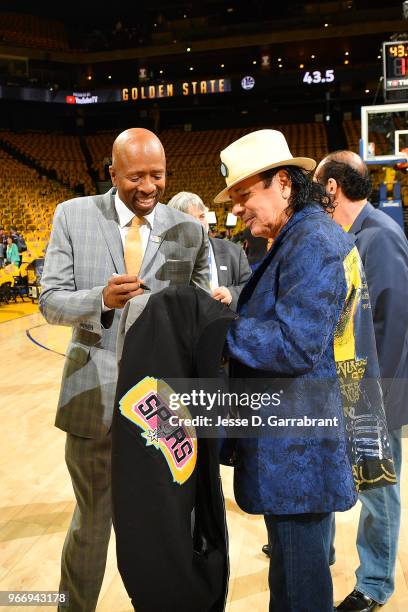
{"x": 15, "y": 310}
{"x": 37, "y": 499}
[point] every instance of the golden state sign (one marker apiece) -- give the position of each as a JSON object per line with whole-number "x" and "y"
{"x": 168, "y": 90}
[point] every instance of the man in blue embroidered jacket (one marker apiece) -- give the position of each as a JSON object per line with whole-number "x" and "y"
{"x": 304, "y": 317}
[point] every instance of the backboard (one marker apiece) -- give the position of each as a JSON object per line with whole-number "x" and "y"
{"x": 384, "y": 133}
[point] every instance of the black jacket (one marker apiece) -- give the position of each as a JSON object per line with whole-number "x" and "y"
{"x": 232, "y": 267}
{"x": 168, "y": 507}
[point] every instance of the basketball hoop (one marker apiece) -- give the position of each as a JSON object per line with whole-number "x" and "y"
{"x": 402, "y": 165}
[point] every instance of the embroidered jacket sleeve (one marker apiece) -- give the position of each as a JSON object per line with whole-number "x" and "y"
{"x": 286, "y": 327}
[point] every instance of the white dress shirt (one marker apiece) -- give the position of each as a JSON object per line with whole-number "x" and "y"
{"x": 125, "y": 216}
{"x": 213, "y": 267}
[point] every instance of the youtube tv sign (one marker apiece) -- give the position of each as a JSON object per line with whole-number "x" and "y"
{"x": 33, "y": 94}
{"x": 81, "y": 98}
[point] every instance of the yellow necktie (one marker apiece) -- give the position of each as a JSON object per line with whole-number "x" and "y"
{"x": 133, "y": 247}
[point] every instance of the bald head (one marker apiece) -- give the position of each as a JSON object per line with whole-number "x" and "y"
{"x": 348, "y": 158}
{"x": 135, "y": 140}
{"x": 138, "y": 169}
{"x": 344, "y": 171}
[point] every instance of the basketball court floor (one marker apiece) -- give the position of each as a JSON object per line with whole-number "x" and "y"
{"x": 37, "y": 500}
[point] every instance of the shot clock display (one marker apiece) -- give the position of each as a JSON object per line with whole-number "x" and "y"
{"x": 395, "y": 58}
{"x": 316, "y": 77}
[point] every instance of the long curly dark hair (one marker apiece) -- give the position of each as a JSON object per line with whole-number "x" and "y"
{"x": 304, "y": 190}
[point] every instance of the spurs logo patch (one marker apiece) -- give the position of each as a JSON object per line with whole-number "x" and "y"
{"x": 147, "y": 406}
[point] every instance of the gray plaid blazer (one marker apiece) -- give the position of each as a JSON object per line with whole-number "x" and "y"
{"x": 85, "y": 249}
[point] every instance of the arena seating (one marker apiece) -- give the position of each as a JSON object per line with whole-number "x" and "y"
{"x": 28, "y": 201}
{"x": 100, "y": 148}
{"x": 31, "y": 31}
{"x": 352, "y": 130}
{"x": 57, "y": 152}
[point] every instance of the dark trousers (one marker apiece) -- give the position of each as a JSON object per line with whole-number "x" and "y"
{"x": 299, "y": 573}
{"x": 86, "y": 543}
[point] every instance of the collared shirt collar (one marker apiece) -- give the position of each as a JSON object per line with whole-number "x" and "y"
{"x": 125, "y": 215}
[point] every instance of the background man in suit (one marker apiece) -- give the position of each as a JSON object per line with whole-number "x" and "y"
{"x": 100, "y": 249}
{"x": 229, "y": 268}
{"x": 384, "y": 251}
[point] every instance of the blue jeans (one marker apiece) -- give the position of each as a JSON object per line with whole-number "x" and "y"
{"x": 299, "y": 574}
{"x": 377, "y": 536}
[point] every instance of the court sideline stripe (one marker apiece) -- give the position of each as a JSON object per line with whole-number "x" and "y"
{"x": 29, "y": 336}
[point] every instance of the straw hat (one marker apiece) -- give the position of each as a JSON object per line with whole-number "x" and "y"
{"x": 255, "y": 153}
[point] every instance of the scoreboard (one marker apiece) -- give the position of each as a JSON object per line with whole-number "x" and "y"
{"x": 395, "y": 59}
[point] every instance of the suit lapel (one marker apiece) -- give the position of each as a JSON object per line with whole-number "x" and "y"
{"x": 108, "y": 222}
{"x": 221, "y": 259}
{"x": 161, "y": 224}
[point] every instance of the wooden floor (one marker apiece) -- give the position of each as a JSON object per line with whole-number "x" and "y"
{"x": 37, "y": 499}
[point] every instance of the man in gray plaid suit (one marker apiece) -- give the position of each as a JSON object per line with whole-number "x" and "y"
{"x": 84, "y": 285}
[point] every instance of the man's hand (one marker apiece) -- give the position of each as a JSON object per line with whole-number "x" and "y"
{"x": 120, "y": 289}
{"x": 222, "y": 294}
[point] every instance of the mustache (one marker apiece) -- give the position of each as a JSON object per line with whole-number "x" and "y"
{"x": 143, "y": 194}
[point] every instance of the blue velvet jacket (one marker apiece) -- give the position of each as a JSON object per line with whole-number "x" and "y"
{"x": 305, "y": 318}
